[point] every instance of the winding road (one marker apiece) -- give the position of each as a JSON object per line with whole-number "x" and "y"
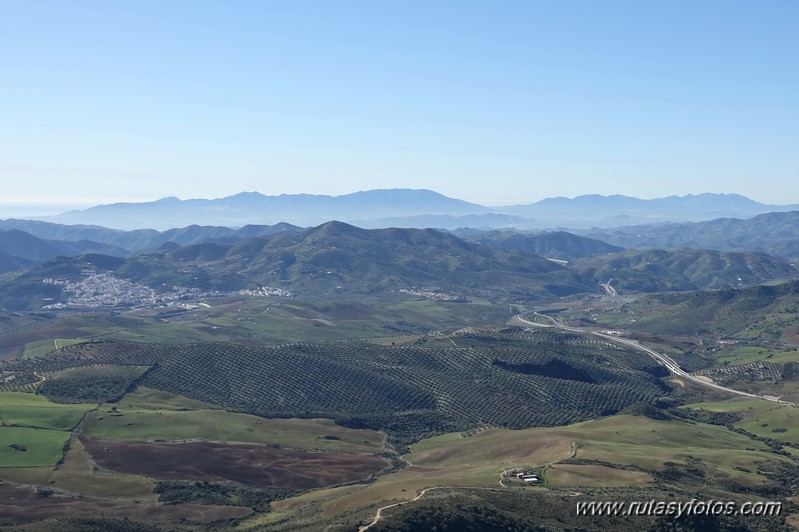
{"x": 660, "y": 358}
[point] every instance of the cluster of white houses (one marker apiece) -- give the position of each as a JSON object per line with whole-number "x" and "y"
{"x": 104, "y": 290}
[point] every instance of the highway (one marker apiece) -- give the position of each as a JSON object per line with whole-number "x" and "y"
{"x": 609, "y": 289}
{"x": 660, "y": 358}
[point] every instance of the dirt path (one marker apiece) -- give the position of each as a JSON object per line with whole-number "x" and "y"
{"x": 379, "y": 513}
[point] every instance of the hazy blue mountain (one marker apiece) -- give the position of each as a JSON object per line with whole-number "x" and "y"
{"x": 56, "y": 231}
{"x": 29, "y": 247}
{"x": 129, "y": 242}
{"x": 449, "y": 222}
{"x": 594, "y": 210}
{"x": 254, "y": 208}
{"x": 10, "y": 263}
{"x": 775, "y": 233}
{"x": 414, "y": 208}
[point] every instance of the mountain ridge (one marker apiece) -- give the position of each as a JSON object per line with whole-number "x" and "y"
{"x": 414, "y": 208}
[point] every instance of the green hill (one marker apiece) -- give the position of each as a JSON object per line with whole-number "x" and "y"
{"x": 773, "y": 232}
{"x": 507, "y": 378}
{"x": 658, "y": 270}
{"x": 555, "y": 245}
{"x": 332, "y": 260}
{"x": 769, "y": 313}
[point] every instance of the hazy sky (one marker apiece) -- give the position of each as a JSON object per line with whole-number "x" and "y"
{"x": 496, "y": 102}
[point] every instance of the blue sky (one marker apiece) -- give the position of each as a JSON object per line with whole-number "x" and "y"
{"x": 493, "y": 102}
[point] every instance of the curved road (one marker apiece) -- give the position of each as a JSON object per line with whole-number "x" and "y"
{"x": 660, "y": 358}
{"x": 609, "y": 289}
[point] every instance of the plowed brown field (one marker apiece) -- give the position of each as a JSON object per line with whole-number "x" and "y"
{"x": 257, "y": 465}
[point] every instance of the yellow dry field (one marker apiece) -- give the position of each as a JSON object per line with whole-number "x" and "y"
{"x": 478, "y": 460}
{"x": 446, "y": 460}
{"x": 594, "y": 476}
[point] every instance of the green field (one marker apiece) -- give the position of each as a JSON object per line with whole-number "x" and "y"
{"x": 77, "y": 475}
{"x": 746, "y": 355}
{"x": 35, "y": 411}
{"x": 146, "y": 415}
{"x": 648, "y": 443}
{"x": 220, "y": 425}
{"x": 42, "y": 447}
{"x": 290, "y": 321}
{"x": 260, "y": 320}
{"x": 734, "y": 405}
{"x": 764, "y": 418}
{"x": 42, "y": 347}
{"x": 41, "y": 427}
{"x": 161, "y": 333}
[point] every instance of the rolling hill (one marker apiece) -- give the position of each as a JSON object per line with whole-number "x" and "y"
{"x": 525, "y": 379}
{"x": 555, "y": 245}
{"x": 768, "y": 313}
{"x": 124, "y": 243}
{"x": 337, "y": 260}
{"x": 658, "y": 270}
{"x": 26, "y": 246}
{"x": 776, "y": 233}
{"x": 331, "y": 260}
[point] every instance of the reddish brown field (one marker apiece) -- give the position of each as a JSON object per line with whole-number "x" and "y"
{"x": 256, "y": 465}
{"x": 22, "y": 505}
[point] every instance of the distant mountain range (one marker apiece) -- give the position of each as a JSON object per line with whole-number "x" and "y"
{"x": 335, "y": 257}
{"x": 414, "y": 208}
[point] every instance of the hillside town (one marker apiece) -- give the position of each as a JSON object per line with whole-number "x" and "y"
{"x": 104, "y": 290}
{"x": 433, "y": 294}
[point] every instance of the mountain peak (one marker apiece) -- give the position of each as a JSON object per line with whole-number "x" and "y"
{"x": 336, "y": 227}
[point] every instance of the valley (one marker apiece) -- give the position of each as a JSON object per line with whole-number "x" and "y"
{"x": 339, "y": 378}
